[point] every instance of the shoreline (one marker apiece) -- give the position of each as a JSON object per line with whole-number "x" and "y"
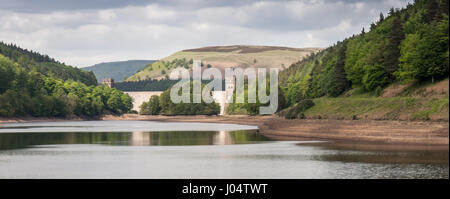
{"x": 423, "y": 133}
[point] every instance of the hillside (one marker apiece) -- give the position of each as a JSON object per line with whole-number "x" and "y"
{"x": 33, "y": 61}
{"x": 224, "y": 57}
{"x": 36, "y": 85}
{"x": 425, "y": 101}
{"x": 398, "y": 69}
{"x": 119, "y": 71}
{"x": 410, "y": 44}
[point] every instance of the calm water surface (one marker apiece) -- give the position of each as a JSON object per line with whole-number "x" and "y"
{"x": 141, "y": 149}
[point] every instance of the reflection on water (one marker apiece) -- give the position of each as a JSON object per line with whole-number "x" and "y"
{"x": 105, "y": 149}
{"x": 382, "y": 153}
{"x": 24, "y": 140}
{"x": 117, "y": 126}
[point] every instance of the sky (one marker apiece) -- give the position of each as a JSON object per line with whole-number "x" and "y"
{"x": 86, "y": 32}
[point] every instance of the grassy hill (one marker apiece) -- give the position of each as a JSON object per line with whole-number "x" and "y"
{"x": 224, "y": 57}
{"x": 119, "y": 71}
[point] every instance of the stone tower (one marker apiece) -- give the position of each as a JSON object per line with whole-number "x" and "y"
{"x": 108, "y": 82}
{"x": 229, "y": 88}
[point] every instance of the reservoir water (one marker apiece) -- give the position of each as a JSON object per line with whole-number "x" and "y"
{"x": 144, "y": 149}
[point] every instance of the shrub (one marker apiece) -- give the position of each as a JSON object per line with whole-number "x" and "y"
{"x": 298, "y": 110}
{"x": 151, "y": 107}
{"x": 378, "y": 91}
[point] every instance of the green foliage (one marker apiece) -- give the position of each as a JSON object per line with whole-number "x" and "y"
{"x": 392, "y": 51}
{"x": 25, "y": 93}
{"x": 296, "y": 79}
{"x": 409, "y": 44}
{"x": 247, "y": 108}
{"x": 297, "y": 111}
{"x": 146, "y": 85}
{"x": 151, "y": 85}
{"x": 432, "y": 11}
{"x": 408, "y": 70}
{"x": 170, "y": 108}
{"x": 7, "y": 73}
{"x": 378, "y": 91}
{"x": 375, "y": 77}
{"x": 321, "y": 74}
{"x": 424, "y": 54}
{"x": 151, "y": 107}
{"x": 160, "y": 68}
{"x": 341, "y": 82}
{"x": 33, "y": 61}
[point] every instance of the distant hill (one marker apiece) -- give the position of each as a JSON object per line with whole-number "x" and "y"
{"x": 224, "y": 57}
{"x": 34, "y": 61}
{"x": 117, "y": 70}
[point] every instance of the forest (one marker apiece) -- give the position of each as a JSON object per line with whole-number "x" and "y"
{"x": 46, "y": 88}
{"x": 407, "y": 45}
{"x": 34, "y": 61}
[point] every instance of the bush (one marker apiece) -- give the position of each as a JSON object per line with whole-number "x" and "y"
{"x": 151, "y": 107}
{"x": 378, "y": 91}
{"x": 301, "y": 116}
{"x": 133, "y": 112}
{"x": 298, "y": 110}
{"x": 170, "y": 108}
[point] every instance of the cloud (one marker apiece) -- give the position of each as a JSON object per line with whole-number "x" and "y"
{"x": 88, "y": 32}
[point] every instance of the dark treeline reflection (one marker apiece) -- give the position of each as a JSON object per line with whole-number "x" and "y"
{"x": 24, "y": 140}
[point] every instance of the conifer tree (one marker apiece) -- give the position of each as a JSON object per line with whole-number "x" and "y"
{"x": 391, "y": 12}
{"x": 372, "y": 26}
{"x": 444, "y": 7}
{"x": 432, "y": 10}
{"x": 342, "y": 83}
{"x": 406, "y": 17}
{"x": 381, "y": 18}
{"x": 392, "y": 51}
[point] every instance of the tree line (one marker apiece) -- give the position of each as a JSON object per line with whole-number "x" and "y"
{"x": 34, "y": 61}
{"x": 254, "y": 108}
{"x": 163, "y": 105}
{"x": 409, "y": 44}
{"x": 30, "y": 93}
{"x": 145, "y": 85}
{"x": 151, "y": 85}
